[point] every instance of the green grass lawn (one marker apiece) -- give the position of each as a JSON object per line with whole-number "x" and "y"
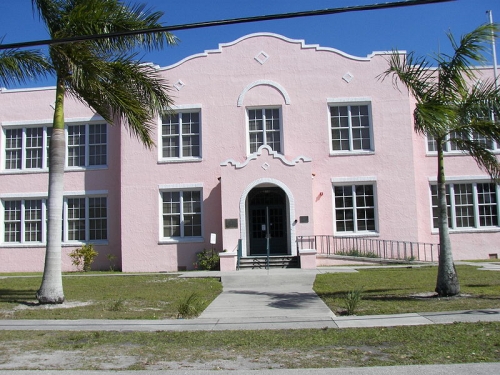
{"x": 396, "y": 290}
{"x": 156, "y": 296}
{"x": 308, "y": 348}
{"x": 108, "y": 296}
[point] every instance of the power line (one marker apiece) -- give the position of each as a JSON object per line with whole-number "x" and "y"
{"x": 232, "y": 21}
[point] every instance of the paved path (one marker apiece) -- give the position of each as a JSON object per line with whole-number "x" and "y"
{"x": 261, "y": 299}
{"x": 458, "y": 369}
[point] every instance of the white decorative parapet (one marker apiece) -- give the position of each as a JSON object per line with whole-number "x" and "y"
{"x": 307, "y": 259}
{"x": 228, "y": 261}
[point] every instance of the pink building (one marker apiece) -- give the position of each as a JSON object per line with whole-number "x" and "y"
{"x": 269, "y": 137}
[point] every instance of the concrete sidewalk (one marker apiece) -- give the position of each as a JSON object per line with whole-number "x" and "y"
{"x": 261, "y": 299}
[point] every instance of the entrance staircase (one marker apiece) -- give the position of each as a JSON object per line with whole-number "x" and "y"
{"x": 260, "y": 262}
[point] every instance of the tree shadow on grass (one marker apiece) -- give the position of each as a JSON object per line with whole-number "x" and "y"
{"x": 24, "y": 296}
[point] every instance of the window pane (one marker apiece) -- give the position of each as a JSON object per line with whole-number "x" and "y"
{"x": 33, "y": 221}
{"x": 264, "y": 128}
{"x": 98, "y": 218}
{"x": 171, "y": 214}
{"x": 13, "y": 148}
{"x": 34, "y": 147}
{"x": 182, "y": 213}
{"x": 464, "y": 205}
{"x": 76, "y": 145}
{"x": 431, "y": 143}
{"x": 181, "y": 135}
{"x": 350, "y": 128}
{"x": 76, "y": 219}
{"x": 12, "y": 221}
{"x": 435, "y": 210}
{"x": 487, "y": 202}
{"x": 98, "y": 144}
{"x": 354, "y": 208}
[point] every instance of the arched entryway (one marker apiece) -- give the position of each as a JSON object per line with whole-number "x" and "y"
{"x": 267, "y": 221}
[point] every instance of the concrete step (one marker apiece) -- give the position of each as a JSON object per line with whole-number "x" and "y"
{"x": 260, "y": 262}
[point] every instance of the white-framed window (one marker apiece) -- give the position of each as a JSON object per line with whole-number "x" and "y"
{"x": 451, "y": 147}
{"x": 87, "y": 145}
{"x": 181, "y": 134}
{"x": 25, "y": 220}
{"x": 264, "y": 128}
{"x": 181, "y": 213}
{"x": 355, "y": 208}
{"x": 471, "y": 205}
{"x": 350, "y": 127}
{"x": 86, "y": 219}
{"x": 26, "y": 148}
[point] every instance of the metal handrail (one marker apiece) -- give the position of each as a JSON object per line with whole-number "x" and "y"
{"x": 370, "y": 247}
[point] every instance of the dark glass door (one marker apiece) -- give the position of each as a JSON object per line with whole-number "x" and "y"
{"x": 267, "y": 214}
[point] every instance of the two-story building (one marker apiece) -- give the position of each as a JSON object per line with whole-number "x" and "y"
{"x": 269, "y": 139}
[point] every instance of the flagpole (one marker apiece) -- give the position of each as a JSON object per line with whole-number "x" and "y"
{"x": 495, "y": 71}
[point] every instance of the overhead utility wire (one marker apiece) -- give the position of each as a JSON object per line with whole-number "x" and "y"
{"x": 232, "y": 21}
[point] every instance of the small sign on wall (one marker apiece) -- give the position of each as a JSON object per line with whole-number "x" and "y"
{"x": 231, "y": 223}
{"x": 213, "y": 238}
{"x": 304, "y": 219}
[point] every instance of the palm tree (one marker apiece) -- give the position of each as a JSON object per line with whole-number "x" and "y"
{"x": 106, "y": 75}
{"x": 453, "y": 104}
{"x": 18, "y": 66}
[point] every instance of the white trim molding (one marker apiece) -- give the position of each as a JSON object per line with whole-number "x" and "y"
{"x": 264, "y": 82}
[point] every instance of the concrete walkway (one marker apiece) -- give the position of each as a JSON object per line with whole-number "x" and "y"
{"x": 261, "y": 299}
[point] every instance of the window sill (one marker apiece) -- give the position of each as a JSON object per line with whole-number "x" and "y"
{"x": 24, "y": 171}
{"x": 166, "y": 241}
{"x": 357, "y": 234}
{"x": 89, "y": 168}
{"x": 351, "y": 153}
{"x": 470, "y": 230}
{"x": 180, "y": 160}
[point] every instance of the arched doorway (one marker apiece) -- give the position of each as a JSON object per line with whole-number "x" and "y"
{"x": 267, "y": 219}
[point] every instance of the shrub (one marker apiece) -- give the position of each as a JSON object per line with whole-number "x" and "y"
{"x": 357, "y": 253}
{"x": 189, "y": 307}
{"x": 351, "y": 301}
{"x": 83, "y": 257}
{"x": 208, "y": 260}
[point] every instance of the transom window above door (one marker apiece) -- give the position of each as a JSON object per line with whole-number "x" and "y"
{"x": 264, "y": 128}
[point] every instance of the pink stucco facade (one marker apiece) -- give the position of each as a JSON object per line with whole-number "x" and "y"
{"x": 218, "y": 174}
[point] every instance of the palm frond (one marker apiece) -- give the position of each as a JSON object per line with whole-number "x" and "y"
{"x": 123, "y": 90}
{"x": 112, "y": 16}
{"x": 453, "y": 70}
{"x": 19, "y": 66}
{"x": 484, "y": 157}
{"x": 414, "y": 73}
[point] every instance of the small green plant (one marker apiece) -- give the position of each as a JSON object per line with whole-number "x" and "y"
{"x": 83, "y": 257}
{"x": 208, "y": 260}
{"x": 117, "y": 305}
{"x": 351, "y": 301}
{"x": 189, "y": 307}
{"x": 357, "y": 253}
{"x": 111, "y": 259}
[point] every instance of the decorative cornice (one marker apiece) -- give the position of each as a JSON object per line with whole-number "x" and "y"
{"x": 270, "y": 152}
{"x": 301, "y": 42}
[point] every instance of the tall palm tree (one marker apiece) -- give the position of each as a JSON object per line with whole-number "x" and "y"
{"x": 453, "y": 104}
{"x": 106, "y": 75}
{"x": 18, "y": 66}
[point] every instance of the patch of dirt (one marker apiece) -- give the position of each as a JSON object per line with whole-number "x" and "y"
{"x": 64, "y": 305}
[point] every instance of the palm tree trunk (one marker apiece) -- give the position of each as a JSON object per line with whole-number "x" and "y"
{"x": 447, "y": 279}
{"x": 51, "y": 290}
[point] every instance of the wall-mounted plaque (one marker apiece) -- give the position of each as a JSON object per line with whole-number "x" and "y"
{"x": 231, "y": 223}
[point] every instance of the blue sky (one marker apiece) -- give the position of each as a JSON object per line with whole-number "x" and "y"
{"x": 417, "y": 28}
